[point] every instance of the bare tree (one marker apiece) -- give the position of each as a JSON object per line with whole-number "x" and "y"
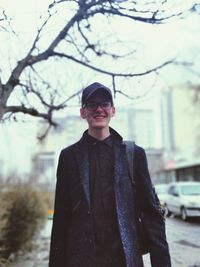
{"x": 75, "y": 42}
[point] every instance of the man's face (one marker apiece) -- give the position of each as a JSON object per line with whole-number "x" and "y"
{"x": 99, "y": 118}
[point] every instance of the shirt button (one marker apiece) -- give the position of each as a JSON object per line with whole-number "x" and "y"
{"x": 90, "y": 241}
{"x": 88, "y": 212}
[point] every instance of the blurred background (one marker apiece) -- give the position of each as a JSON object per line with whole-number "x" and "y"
{"x": 147, "y": 52}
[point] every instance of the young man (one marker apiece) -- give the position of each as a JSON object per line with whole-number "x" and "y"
{"x": 95, "y": 222}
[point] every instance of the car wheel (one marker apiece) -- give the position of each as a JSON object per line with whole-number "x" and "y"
{"x": 164, "y": 210}
{"x": 168, "y": 213}
{"x": 184, "y": 216}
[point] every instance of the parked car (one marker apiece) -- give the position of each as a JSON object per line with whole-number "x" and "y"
{"x": 183, "y": 198}
{"x": 161, "y": 191}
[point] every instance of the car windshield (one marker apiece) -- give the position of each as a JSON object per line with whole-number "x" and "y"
{"x": 190, "y": 189}
{"x": 161, "y": 189}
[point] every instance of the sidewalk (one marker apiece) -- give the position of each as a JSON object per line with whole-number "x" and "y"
{"x": 39, "y": 256}
{"x": 183, "y": 240}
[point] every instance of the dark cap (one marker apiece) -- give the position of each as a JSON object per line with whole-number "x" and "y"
{"x": 92, "y": 88}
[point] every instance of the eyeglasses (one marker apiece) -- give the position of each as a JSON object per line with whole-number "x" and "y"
{"x": 93, "y": 106}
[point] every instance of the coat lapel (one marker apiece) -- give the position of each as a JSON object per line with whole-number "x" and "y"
{"x": 125, "y": 206}
{"x": 82, "y": 157}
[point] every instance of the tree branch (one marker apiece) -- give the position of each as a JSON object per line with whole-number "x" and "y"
{"x": 31, "y": 111}
{"x": 63, "y": 33}
{"x": 38, "y": 34}
{"x": 41, "y": 137}
{"x": 113, "y": 83}
{"x": 30, "y": 59}
{"x": 153, "y": 19}
{"x": 86, "y": 10}
{"x": 113, "y": 73}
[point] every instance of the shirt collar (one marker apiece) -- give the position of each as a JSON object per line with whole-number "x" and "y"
{"x": 93, "y": 141}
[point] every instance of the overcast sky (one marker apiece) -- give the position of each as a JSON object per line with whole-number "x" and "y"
{"x": 178, "y": 38}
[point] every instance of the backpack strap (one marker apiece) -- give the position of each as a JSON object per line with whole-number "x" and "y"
{"x": 130, "y": 156}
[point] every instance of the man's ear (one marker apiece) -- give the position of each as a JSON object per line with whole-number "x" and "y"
{"x": 82, "y": 113}
{"x": 113, "y": 111}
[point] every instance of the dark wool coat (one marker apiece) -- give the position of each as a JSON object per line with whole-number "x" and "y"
{"x": 72, "y": 240}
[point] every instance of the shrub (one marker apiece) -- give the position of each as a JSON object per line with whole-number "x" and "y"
{"x": 22, "y": 214}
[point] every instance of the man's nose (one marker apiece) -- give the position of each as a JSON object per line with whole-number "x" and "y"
{"x": 99, "y": 108}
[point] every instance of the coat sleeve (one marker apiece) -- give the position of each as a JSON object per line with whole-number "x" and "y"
{"x": 61, "y": 218}
{"x": 153, "y": 217}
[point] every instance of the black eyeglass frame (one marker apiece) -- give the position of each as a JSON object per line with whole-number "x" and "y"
{"x": 96, "y": 105}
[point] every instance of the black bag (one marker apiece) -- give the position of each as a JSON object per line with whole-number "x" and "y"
{"x": 142, "y": 233}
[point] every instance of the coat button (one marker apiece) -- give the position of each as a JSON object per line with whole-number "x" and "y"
{"x": 90, "y": 241}
{"x": 88, "y": 212}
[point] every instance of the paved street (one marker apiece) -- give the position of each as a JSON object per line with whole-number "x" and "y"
{"x": 183, "y": 237}
{"x": 184, "y": 243}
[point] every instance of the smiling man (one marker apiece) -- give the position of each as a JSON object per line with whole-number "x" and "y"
{"x": 95, "y": 222}
{"x": 97, "y": 109}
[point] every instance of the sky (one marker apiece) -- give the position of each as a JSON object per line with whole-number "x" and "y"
{"x": 178, "y": 38}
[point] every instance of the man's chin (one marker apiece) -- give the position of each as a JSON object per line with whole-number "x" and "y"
{"x": 99, "y": 126}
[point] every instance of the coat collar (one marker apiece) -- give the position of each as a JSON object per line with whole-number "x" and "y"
{"x": 93, "y": 141}
{"x": 114, "y": 133}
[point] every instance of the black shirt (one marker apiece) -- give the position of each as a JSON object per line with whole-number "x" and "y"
{"x": 107, "y": 238}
